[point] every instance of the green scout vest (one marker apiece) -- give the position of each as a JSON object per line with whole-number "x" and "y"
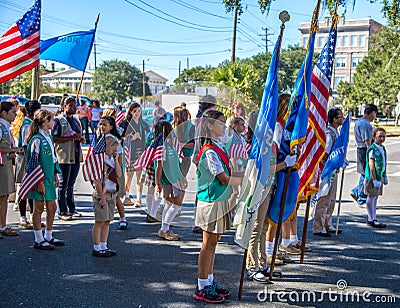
{"x": 171, "y": 168}
{"x": 187, "y": 152}
{"x": 209, "y": 188}
{"x": 6, "y": 140}
{"x": 378, "y": 162}
{"x": 28, "y": 122}
{"x": 66, "y": 150}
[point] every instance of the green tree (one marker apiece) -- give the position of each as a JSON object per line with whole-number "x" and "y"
{"x": 117, "y": 80}
{"x": 193, "y": 75}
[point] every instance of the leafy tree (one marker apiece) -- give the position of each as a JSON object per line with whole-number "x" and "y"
{"x": 117, "y": 80}
{"x": 193, "y": 75}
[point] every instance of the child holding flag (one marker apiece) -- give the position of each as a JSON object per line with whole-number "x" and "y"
{"x": 40, "y": 145}
{"x": 375, "y": 175}
{"x": 214, "y": 188}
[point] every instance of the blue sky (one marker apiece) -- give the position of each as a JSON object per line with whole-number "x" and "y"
{"x": 127, "y": 32}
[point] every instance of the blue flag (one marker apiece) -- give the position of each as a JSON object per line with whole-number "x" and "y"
{"x": 294, "y": 133}
{"x": 339, "y": 150}
{"x": 72, "y": 49}
{"x": 257, "y": 170}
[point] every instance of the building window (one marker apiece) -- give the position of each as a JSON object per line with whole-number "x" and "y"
{"x": 355, "y": 61}
{"x": 338, "y": 79}
{"x": 345, "y": 40}
{"x": 338, "y": 40}
{"x": 353, "y": 40}
{"x": 320, "y": 41}
{"x": 361, "y": 40}
{"x": 305, "y": 40}
{"x": 340, "y": 62}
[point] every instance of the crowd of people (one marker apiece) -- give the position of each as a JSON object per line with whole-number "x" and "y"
{"x": 159, "y": 156}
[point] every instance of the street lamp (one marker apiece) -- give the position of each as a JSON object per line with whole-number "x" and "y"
{"x": 144, "y": 83}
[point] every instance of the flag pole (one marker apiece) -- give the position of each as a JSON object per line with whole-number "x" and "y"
{"x": 283, "y": 17}
{"x": 305, "y": 228}
{"x": 340, "y": 202}
{"x": 83, "y": 73}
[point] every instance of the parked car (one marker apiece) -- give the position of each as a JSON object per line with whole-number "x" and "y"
{"x": 52, "y": 101}
{"x": 22, "y": 100}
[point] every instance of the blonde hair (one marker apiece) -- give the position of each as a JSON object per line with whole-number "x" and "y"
{"x": 16, "y": 124}
{"x": 109, "y": 111}
{"x": 111, "y": 140}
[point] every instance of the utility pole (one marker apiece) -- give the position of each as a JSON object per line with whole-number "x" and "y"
{"x": 187, "y": 63}
{"x": 144, "y": 85}
{"x": 95, "y": 53}
{"x": 179, "y": 68}
{"x": 234, "y": 31}
{"x": 266, "y": 39}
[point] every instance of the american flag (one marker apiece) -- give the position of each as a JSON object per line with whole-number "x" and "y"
{"x": 92, "y": 145}
{"x": 127, "y": 150}
{"x": 238, "y": 147}
{"x": 92, "y": 167}
{"x": 153, "y": 153}
{"x": 313, "y": 149}
{"x": 20, "y": 45}
{"x": 119, "y": 118}
{"x": 33, "y": 176}
{"x": 177, "y": 145}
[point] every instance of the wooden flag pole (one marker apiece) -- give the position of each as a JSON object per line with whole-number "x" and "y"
{"x": 242, "y": 275}
{"x": 305, "y": 227}
{"x": 83, "y": 73}
{"x": 279, "y": 226}
{"x": 340, "y": 202}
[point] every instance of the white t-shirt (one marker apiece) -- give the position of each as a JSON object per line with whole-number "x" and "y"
{"x": 110, "y": 185}
{"x": 213, "y": 161}
{"x": 36, "y": 144}
{"x": 24, "y": 133}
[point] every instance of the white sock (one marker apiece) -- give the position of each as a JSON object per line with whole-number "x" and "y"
{"x": 286, "y": 242}
{"x": 210, "y": 278}
{"x": 294, "y": 239}
{"x": 149, "y": 202}
{"x": 371, "y": 208}
{"x": 171, "y": 214}
{"x": 165, "y": 210}
{"x": 202, "y": 283}
{"x": 103, "y": 245}
{"x": 270, "y": 248}
{"x": 154, "y": 207}
{"x": 139, "y": 197}
{"x": 38, "y": 236}
{"x": 122, "y": 219}
{"x": 48, "y": 234}
{"x": 96, "y": 247}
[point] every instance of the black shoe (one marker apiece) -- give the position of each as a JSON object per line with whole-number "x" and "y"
{"x": 258, "y": 276}
{"x": 41, "y": 246}
{"x": 123, "y": 225}
{"x": 323, "y": 234}
{"x": 221, "y": 291}
{"x": 74, "y": 214}
{"x": 55, "y": 242}
{"x": 64, "y": 216}
{"x": 208, "y": 295}
{"x": 101, "y": 253}
{"x": 376, "y": 224}
{"x": 112, "y": 252}
{"x": 197, "y": 229}
{"x": 267, "y": 271}
{"x": 334, "y": 231}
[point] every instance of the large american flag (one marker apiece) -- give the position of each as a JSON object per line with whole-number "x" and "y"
{"x": 119, "y": 118}
{"x": 238, "y": 147}
{"x": 313, "y": 149}
{"x": 153, "y": 153}
{"x": 92, "y": 167}
{"x": 20, "y": 45}
{"x": 33, "y": 176}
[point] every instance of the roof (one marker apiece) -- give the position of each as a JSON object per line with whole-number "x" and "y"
{"x": 153, "y": 75}
{"x": 68, "y": 73}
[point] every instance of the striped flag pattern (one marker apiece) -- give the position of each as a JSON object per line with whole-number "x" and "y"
{"x": 119, "y": 118}
{"x": 20, "y": 45}
{"x": 153, "y": 153}
{"x": 92, "y": 167}
{"x": 177, "y": 146}
{"x": 238, "y": 148}
{"x": 313, "y": 149}
{"x": 33, "y": 176}
{"x": 127, "y": 151}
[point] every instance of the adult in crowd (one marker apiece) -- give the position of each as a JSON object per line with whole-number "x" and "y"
{"x": 8, "y": 151}
{"x": 67, "y": 135}
{"x": 30, "y": 107}
{"x": 159, "y": 111}
{"x": 326, "y": 204}
{"x": 135, "y": 131}
{"x": 96, "y": 113}
{"x": 183, "y": 105}
{"x": 363, "y": 136}
{"x": 82, "y": 112}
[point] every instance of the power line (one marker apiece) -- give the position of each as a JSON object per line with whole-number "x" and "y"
{"x": 194, "y": 8}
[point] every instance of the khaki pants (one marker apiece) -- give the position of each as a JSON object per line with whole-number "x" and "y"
{"x": 256, "y": 257}
{"x": 324, "y": 209}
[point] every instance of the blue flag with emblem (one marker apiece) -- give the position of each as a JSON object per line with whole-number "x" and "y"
{"x": 294, "y": 134}
{"x": 72, "y": 49}
{"x": 257, "y": 170}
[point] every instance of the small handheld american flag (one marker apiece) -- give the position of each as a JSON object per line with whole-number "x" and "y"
{"x": 33, "y": 176}
{"x": 92, "y": 167}
{"x": 238, "y": 147}
{"x": 119, "y": 118}
{"x": 151, "y": 154}
{"x": 127, "y": 151}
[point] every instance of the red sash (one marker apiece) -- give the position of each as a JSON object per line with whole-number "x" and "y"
{"x": 224, "y": 157}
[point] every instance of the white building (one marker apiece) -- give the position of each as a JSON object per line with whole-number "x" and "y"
{"x": 157, "y": 83}
{"x": 69, "y": 78}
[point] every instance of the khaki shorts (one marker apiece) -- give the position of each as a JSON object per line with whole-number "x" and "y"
{"x": 106, "y": 213}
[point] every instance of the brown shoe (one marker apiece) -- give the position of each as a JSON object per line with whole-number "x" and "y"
{"x": 25, "y": 225}
{"x": 277, "y": 260}
{"x": 298, "y": 246}
{"x": 169, "y": 235}
{"x": 151, "y": 219}
{"x": 128, "y": 201}
{"x": 290, "y": 249}
{"x": 138, "y": 204}
{"x": 9, "y": 232}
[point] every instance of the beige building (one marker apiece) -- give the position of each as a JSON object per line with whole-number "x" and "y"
{"x": 156, "y": 82}
{"x": 352, "y": 44}
{"x": 69, "y": 78}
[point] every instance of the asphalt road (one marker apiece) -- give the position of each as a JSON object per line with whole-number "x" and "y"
{"x": 360, "y": 264}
